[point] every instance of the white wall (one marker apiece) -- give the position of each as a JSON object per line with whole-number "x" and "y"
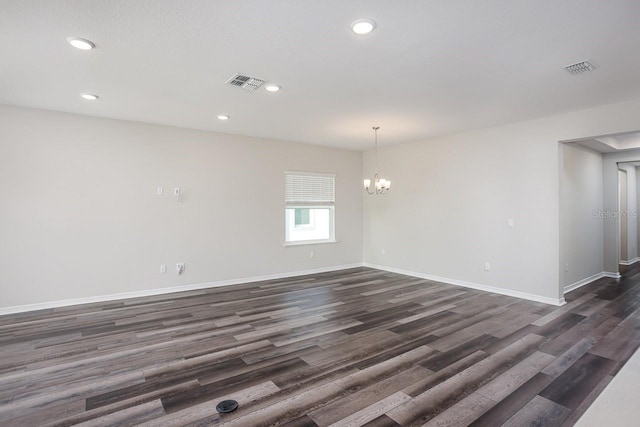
{"x": 637, "y": 212}
{"x": 79, "y": 214}
{"x": 610, "y": 204}
{"x": 447, "y": 212}
{"x": 581, "y": 233}
{"x": 632, "y": 211}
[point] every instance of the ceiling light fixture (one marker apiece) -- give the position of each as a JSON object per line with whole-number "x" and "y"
{"x": 223, "y": 117}
{"x": 89, "y": 96}
{"x": 380, "y": 185}
{"x": 82, "y": 44}
{"x": 363, "y": 26}
{"x": 272, "y": 88}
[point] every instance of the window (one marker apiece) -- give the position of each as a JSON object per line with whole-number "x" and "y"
{"x": 309, "y": 207}
{"x": 302, "y": 217}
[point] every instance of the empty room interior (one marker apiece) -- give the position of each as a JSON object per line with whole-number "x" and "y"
{"x": 319, "y": 213}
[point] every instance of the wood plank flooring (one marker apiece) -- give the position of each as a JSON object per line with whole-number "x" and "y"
{"x": 349, "y": 348}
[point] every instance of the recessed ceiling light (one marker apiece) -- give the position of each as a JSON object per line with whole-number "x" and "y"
{"x": 89, "y": 96}
{"x": 272, "y": 88}
{"x": 363, "y": 26}
{"x": 223, "y": 117}
{"x": 82, "y": 44}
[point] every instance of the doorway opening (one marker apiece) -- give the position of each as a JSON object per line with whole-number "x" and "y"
{"x": 622, "y": 216}
{"x": 599, "y": 201}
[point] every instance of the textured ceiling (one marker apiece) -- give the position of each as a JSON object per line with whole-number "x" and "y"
{"x": 431, "y": 67}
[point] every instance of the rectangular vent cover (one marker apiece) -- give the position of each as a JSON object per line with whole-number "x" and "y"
{"x": 245, "y": 82}
{"x": 580, "y": 67}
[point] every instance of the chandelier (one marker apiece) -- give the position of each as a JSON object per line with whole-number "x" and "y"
{"x": 380, "y": 185}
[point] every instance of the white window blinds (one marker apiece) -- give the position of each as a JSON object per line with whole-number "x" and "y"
{"x": 309, "y": 189}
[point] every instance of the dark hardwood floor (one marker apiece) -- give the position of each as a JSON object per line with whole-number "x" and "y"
{"x": 349, "y": 348}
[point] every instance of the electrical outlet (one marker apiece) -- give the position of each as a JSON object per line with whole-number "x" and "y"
{"x": 160, "y": 191}
{"x": 180, "y": 267}
{"x": 163, "y": 268}
{"x": 566, "y": 267}
{"x": 487, "y": 266}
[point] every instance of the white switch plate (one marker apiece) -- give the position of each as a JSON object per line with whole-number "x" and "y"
{"x": 487, "y": 266}
{"x": 160, "y": 191}
{"x": 180, "y": 267}
{"x": 510, "y": 223}
{"x": 312, "y": 254}
{"x": 382, "y": 251}
{"x": 163, "y": 268}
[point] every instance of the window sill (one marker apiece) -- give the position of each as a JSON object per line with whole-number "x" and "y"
{"x": 309, "y": 242}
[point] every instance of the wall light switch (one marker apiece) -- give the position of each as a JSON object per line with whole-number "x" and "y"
{"x": 163, "y": 268}
{"x": 160, "y": 191}
{"x": 177, "y": 194}
{"x": 510, "y": 223}
{"x": 312, "y": 254}
{"x": 487, "y": 266}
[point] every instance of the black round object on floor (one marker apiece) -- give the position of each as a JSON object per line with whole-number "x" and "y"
{"x": 227, "y": 406}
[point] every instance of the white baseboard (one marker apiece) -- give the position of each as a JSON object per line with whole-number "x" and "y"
{"x": 631, "y": 261}
{"x": 486, "y": 288}
{"x": 161, "y": 291}
{"x": 198, "y": 286}
{"x": 586, "y": 281}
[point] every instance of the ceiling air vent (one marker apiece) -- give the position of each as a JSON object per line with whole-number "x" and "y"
{"x": 580, "y": 67}
{"x": 245, "y": 82}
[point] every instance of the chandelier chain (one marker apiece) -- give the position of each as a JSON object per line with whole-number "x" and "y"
{"x": 375, "y": 129}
